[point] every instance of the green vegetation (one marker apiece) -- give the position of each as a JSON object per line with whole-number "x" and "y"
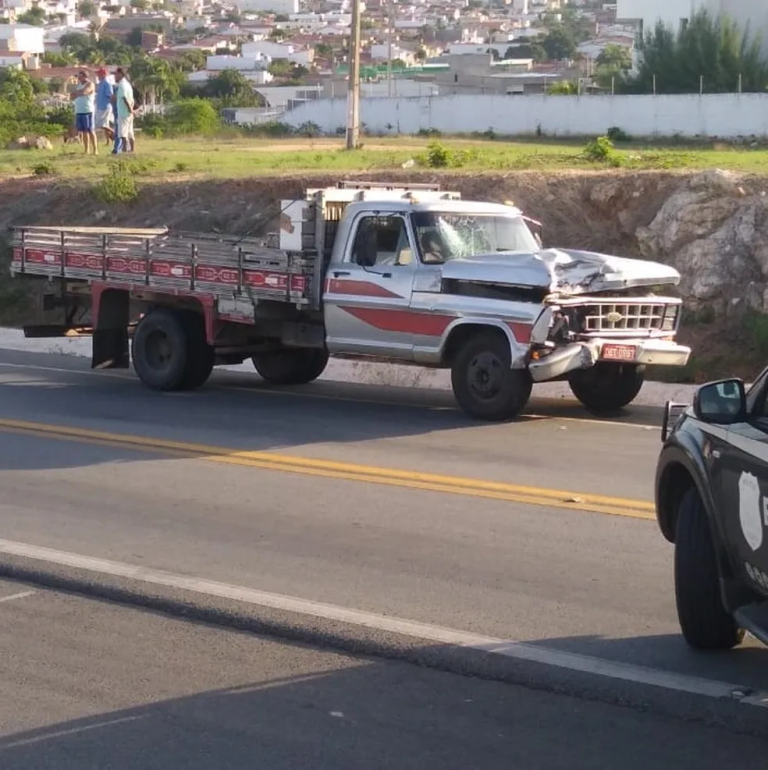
{"x": 230, "y": 152}
{"x": 709, "y": 54}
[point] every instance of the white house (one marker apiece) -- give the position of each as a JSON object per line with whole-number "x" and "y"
{"x": 277, "y": 50}
{"x": 21, "y": 38}
{"x": 283, "y": 7}
{"x": 219, "y": 62}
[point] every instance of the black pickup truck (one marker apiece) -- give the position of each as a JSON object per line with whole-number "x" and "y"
{"x": 712, "y": 503}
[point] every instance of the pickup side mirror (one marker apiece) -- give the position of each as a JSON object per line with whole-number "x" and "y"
{"x": 722, "y": 403}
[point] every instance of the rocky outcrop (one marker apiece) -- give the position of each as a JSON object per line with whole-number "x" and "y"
{"x": 31, "y": 142}
{"x": 714, "y": 230}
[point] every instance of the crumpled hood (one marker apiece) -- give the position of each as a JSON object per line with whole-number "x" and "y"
{"x": 561, "y": 271}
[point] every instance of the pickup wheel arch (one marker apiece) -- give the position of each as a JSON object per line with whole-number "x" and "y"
{"x": 461, "y": 331}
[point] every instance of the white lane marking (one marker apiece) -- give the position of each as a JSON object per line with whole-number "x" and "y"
{"x": 330, "y": 397}
{"x": 508, "y": 648}
{"x": 12, "y": 744}
{"x": 13, "y": 597}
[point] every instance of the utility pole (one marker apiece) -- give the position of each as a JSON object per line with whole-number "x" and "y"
{"x": 389, "y": 53}
{"x": 353, "y": 103}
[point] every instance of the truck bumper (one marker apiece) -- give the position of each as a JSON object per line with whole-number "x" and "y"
{"x": 583, "y": 355}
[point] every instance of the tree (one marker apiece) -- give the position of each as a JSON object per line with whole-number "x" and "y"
{"x": 559, "y": 43}
{"x": 35, "y": 16}
{"x": 86, "y": 8}
{"x": 192, "y": 61}
{"x": 708, "y": 47}
{"x": 140, "y": 5}
{"x": 616, "y": 57}
{"x": 533, "y": 50}
{"x": 57, "y": 59}
{"x": 230, "y": 88}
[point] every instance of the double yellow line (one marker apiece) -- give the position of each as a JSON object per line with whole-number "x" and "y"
{"x": 490, "y": 490}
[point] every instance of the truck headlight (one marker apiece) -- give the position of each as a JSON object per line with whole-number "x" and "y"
{"x": 669, "y": 322}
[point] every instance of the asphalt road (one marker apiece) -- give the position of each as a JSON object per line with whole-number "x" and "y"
{"x": 85, "y": 684}
{"x": 569, "y": 580}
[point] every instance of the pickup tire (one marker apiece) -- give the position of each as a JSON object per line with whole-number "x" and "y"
{"x": 484, "y": 384}
{"x": 160, "y": 350}
{"x": 704, "y": 621}
{"x": 291, "y": 366}
{"x": 607, "y": 387}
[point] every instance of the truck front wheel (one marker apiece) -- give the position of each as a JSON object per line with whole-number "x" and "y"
{"x": 704, "y": 621}
{"x": 607, "y": 386}
{"x": 291, "y": 366}
{"x": 484, "y": 383}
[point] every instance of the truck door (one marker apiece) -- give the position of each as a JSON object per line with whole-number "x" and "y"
{"x": 743, "y": 503}
{"x": 367, "y": 294}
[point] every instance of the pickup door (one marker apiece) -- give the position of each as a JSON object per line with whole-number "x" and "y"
{"x": 367, "y": 295}
{"x": 743, "y": 503}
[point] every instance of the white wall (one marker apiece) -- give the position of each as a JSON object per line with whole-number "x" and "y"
{"x": 651, "y": 11}
{"x": 716, "y": 115}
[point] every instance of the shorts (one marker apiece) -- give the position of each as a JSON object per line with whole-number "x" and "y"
{"x": 125, "y": 127}
{"x": 104, "y": 118}
{"x": 84, "y": 122}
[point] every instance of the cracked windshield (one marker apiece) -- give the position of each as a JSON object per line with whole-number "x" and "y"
{"x": 444, "y": 236}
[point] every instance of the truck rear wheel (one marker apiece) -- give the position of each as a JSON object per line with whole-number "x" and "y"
{"x": 704, "y": 621}
{"x": 200, "y": 355}
{"x": 484, "y": 383}
{"x": 170, "y": 351}
{"x": 606, "y": 387}
{"x": 291, "y": 366}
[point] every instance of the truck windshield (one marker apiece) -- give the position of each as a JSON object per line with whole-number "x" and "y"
{"x": 443, "y": 236}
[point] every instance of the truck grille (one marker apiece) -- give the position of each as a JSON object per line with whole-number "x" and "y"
{"x": 623, "y": 318}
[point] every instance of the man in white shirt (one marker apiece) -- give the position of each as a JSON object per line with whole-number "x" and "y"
{"x": 124, "y": 107}
{"x": 83, "y": 95}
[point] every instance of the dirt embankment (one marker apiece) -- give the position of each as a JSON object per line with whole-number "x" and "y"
{"x": 600, "y": 211}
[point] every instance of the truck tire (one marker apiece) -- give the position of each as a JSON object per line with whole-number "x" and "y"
{"x": 704, "y": 621}
{"x": 200, "y": 355}
{"x": 291, "y": 366}
{"x": 160, "y": 350}
{"x": 606, "y": 387}
{"x": 484, "y": 384}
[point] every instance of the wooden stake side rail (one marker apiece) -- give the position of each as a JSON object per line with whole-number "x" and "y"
{"x": 191, "y": 262}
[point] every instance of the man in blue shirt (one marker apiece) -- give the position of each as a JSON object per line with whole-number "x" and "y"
{"x": 104, "y": 117}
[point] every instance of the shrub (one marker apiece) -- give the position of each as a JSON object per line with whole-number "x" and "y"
{"x": 45, "y": 168}
{"x": 616, "y": 134}
{"x": 119, "y": 186}
{"x": 600, "y": 150}
{"x": 438, "y": 155}
{"x": 193, "y": 116}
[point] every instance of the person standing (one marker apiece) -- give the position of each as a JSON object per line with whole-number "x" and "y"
{"x": 124, "y": 107}
{"x": 104, "y": 117}
{"x": 83, "y": 95}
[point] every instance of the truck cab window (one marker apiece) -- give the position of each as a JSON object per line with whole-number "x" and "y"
{"x": 381, "y": 241}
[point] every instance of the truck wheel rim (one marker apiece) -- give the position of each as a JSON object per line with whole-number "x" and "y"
{"x": 158, "y": 350}
{"x": 486, "y": 375}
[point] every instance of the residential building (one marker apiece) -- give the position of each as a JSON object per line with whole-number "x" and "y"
{"x": 21, "y": 39}
{"x": 283, "y": 7}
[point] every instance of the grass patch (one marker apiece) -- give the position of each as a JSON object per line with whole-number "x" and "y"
{"x": 238, "y": 157}
{"x": 119, "y": 186}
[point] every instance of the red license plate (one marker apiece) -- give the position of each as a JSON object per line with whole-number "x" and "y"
{"x": 619, "y": 352}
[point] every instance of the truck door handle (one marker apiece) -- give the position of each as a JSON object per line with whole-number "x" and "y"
{"x": 339, "y": 273}
{"x": 386, "y": 275}
{"x": 716, "y": 453}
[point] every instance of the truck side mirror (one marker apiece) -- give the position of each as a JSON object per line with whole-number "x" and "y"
{"x": 722, "y": 403}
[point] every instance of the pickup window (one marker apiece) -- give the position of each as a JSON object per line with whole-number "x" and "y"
{"x": 444, "y": 236}
{"x": 381, "y": 241}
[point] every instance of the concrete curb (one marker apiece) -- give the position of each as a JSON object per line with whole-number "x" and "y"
{"x": 358, "y": 372}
